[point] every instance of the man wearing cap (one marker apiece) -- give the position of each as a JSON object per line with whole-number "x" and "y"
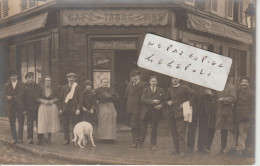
{"x": 133, "y": 106}
{"x": 32, "y": 92}
{"x": 13, "y": 94}
{"x": 244, "y": 112}
{"x": 70, "y": 97}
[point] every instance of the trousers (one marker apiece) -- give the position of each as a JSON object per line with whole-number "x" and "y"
{"x": 178, "y": 130}
{"x": 31, "y": 117}
{"x": 152, "y": 116}
{"x": 243, "y": 128}
{"x": 135, "y": 127}
{"x": 12, "y": 121}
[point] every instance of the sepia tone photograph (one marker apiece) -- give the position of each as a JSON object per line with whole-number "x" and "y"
{"x": 127, "y": 82}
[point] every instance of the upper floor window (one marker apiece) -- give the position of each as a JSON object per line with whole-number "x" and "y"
{"x": 4, "y": 8}
{"x": 26, "y": 4}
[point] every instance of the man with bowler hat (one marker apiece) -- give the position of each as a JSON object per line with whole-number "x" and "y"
{"x": 32, "y": 92}
{"x": 70, "y": 97}
{"x": 13, "y": 94}
{"x": 133, "y": 106}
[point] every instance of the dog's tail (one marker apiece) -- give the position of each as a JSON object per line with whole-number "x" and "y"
{"x": 75, "y": 136}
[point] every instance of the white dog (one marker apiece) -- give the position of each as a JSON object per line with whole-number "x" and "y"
{"x": 80, "y": 130}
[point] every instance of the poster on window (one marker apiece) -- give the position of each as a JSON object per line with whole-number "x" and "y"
{"x": 102, "y": 60}
{"x": 98, "y": 76}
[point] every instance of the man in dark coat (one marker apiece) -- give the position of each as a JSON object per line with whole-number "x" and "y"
{"x": 209, "y": 102}
{"x": 32, "y": 92}
{"x": 70, "y": 105}
{"x": 13, "y": 95}
{"x": 177, "y": 94}
{"x": 133, "y": 106}
{"x": 244, "y": 109}
{"x": 198, "y": 114}
{"x": 153, "y": 98}
{"x": 224, "y": 116}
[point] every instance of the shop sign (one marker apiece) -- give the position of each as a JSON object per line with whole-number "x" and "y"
{"x": 102, "y": 60}
{"x": 137, "y": 17}
{"x": 216, "y": 28}
{"x": 118, "y": 45}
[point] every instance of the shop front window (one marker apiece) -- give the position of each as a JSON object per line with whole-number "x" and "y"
{"x": 30, "y": 56}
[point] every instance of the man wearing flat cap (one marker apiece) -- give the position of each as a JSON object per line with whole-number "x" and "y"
{"x": 70, "y": 98}
{"x": 32, "y": 92}
{"x": 13, "y": 94}
{"x": 244, "y": 111}
{"x": 133, "y": 106}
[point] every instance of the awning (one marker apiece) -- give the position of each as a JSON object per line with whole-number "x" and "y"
{"x": 217, "y": 28}
{"x": 25, "y": 26}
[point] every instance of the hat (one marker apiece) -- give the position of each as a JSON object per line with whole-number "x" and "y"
{"x": 13, "y": 73}
{"x": 244, "y": 78}
{"x": 29, "y": 74}
{"x": 71, "y": 74}
{"x": 135, "y": 72}
{"x": 87, "y": 82}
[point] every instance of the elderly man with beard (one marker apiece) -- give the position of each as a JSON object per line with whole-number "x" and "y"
{"x": 244, "y": 110}
{"x": 70, "y": 97}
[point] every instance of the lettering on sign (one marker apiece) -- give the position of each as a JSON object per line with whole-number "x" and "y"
{"x": 137, "y": 17}
{"x": 184, "y": 62}
{"x": 114, "y": 45}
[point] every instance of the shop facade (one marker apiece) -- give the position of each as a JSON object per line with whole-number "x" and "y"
{"x": 97, "y": 42}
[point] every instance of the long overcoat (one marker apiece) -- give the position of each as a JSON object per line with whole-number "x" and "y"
{"x": 224, "y": 118}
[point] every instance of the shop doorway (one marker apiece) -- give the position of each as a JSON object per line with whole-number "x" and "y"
{"x": 124, "y": 62}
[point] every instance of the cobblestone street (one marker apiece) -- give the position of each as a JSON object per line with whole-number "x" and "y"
{"x": 103, "y": 153}
{"x": 11, "y": 155}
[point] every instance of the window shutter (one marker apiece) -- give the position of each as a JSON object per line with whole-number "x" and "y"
{"x": 243, "y": 4}
{"x": 0, "y": 10}
{"x": 214, "y": 6}
{"x": 229, "y": 9}
{"x": 5, "y": 8}
{"x": 23, "y": 5}
{"x": 32, "y": 3}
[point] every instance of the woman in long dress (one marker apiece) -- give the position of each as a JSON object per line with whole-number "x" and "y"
{"x": 48, "y": 116}
{"x": 106, "y": 113}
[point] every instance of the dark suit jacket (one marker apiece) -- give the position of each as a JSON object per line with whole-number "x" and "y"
{"x": 31, "y": 93}
{"x": 74, "y": 103}
{"x": 147, "y": 100}
{"x": 133, "y": 95}
{"x": 16, "y": 103}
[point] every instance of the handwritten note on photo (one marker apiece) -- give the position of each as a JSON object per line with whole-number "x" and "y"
{"x": 185, "y": 62}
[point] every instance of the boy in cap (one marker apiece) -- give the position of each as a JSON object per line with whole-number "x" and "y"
{"x": 244, "y": 109}
{"x": 70, "y": 97}
{"x": 32, "y": 92}
{"x": 133, "y": 106}
{"x": 13, "y": 94}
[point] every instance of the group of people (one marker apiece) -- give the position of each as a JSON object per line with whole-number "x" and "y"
{"x": 145, "y": 102}
{"x": 46, "y": 105}
{"x": 228, "y": 111}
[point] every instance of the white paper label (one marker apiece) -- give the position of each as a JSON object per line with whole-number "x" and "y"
{"x": 185, "y": 62}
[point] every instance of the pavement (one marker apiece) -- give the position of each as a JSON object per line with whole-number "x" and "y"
{"x": 119, "y": 152}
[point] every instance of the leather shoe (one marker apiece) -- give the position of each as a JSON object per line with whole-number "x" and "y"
{"x": 30, "y": 141}
{"x": 174, "y": 152}
{"x": 153, "y": 148}
{"x": 66, "y": 142}
{"x": 182, "y": 154}
{"x": 133, "y": 145}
